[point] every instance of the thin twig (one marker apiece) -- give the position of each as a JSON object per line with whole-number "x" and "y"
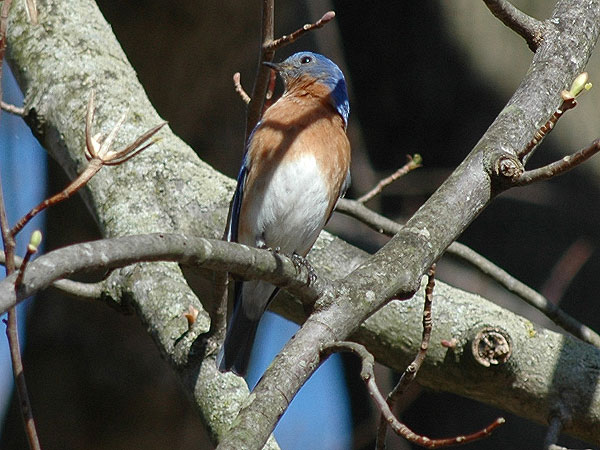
{"x": 289, "y": 38}
{"x": 531, "y": 29}
{"x": 269, "y": 45}
{"x": 580, "y": 83}
{"x": 237, "y": 83}
{"x": 372, "y": 219}
{"x": 547, "y": 127}
{"x": 388, "y": 227}
{"x": 532, "y": 297}
{"x": 413, "y": 162}
{"x": 413, "y": 368}
{"x": 99, "y": 154}
{"x": 7, "y": 237}
{"x": 368, "y": 376}
{"x": 16, "y": 110}
{"x": 91, "y": 169}
{"x": 558, "y": 167}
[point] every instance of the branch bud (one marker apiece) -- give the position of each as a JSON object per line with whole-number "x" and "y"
{"x": 34, "y": 241}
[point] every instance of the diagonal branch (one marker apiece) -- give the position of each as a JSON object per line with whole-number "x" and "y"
{"x": 414, "y": 162}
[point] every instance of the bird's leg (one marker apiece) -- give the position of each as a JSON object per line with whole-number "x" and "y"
{"x": 301, "y": 261}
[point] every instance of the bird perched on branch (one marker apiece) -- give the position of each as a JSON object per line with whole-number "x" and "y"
{"x": 296, "y": 166}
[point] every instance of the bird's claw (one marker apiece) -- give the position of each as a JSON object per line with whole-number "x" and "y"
{"x": 301, "y": 261}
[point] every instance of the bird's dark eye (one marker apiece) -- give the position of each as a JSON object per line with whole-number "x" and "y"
{"x": 305, "y": 60}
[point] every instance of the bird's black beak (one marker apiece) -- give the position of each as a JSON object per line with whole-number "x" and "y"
{"x": 272, "y": 65}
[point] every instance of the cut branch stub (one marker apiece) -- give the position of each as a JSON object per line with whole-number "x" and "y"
{"x": 508, "y": 166}
{"x": 492, "y": 346}
{"x": 503, "y": 167}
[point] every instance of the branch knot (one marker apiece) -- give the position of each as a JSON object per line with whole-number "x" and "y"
{"x": 492, "y": 346}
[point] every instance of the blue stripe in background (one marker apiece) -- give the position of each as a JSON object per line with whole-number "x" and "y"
{"x": 24, "y": 175}
{"x": 319, "y": 416}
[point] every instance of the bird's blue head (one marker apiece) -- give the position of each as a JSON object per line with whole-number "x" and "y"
{"x": 322, "y": 70}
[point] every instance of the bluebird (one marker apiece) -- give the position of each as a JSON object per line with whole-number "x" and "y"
{"x": 295, "y": 168}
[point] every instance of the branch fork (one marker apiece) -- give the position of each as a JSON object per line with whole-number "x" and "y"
{"x": 511, "y": 168}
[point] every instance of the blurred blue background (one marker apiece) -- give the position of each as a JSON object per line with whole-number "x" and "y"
{"x": 23, "y": 170}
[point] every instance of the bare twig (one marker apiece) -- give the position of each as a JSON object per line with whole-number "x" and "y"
{"x": 534, "y": 298}
{"x": 367, "y": 374}
{"x": 289, "y": 38}
{"x": 7, "y": 237}
{"x": 268, "y": 48}
{"x": 16, "y": 110}
{"x": 547, "y": 127}
{"x": 568, "y": 102}
{"x": 388, "y": 227}
{"x": 413, "y": 162}
{"x": 99, "y": 154}
{"x": 413, "y": 368}
{"x": 531, "y": 29}
{"x": 375, "y": 221}
{"x": 237, "y": 83}
{"x": 558, "y": 167}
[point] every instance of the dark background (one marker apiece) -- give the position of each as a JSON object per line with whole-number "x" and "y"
{"x": 96, "y": 379}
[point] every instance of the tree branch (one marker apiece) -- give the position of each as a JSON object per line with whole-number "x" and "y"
{"x": 558, "y": 167}
{"x": 530, "y": 29}
{"x": 412, "y": 369}
{"x": 386, "y": 226}
{"x": 368, "y": 375}
{"x": 212, "y": 254}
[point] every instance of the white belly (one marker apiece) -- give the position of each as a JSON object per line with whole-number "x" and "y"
{"x": 293, "y": 209}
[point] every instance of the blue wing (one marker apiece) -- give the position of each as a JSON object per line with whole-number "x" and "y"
{"x": 231, "y": 232}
